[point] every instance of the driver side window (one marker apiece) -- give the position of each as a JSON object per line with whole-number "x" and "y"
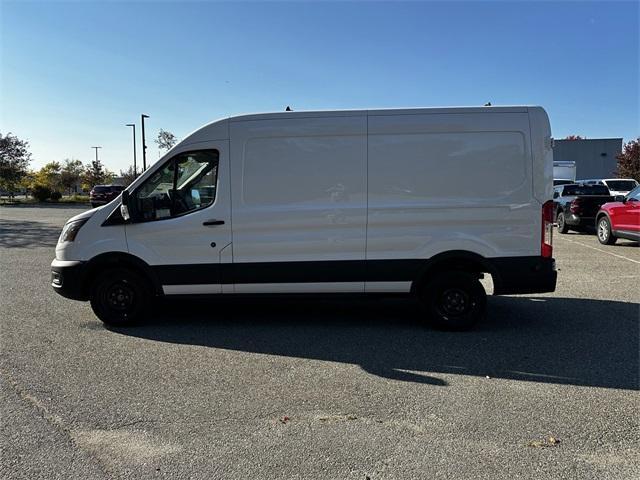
{"x": 184, "y": 184}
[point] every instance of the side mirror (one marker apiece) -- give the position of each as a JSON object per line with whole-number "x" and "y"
{"x": 620, "y": 198}
{"x": 124, "y": 207}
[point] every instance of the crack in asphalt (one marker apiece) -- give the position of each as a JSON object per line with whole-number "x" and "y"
{"x": 52, "y": 419}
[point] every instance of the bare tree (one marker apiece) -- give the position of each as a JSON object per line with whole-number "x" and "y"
{"x": 165, "y": 140}
{"x": 128, "y": 176}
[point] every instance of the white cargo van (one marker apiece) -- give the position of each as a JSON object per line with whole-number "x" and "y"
{"x": 417, "y": 202}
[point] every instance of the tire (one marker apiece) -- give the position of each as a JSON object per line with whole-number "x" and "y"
{"x": 454, "y": 301}
{"x": 119, "y": 297}
{"x": 562, "y": 223}
{"x": 603, "y": 231}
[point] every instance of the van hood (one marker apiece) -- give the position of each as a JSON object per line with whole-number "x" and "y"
{"x": 87, "y": 214}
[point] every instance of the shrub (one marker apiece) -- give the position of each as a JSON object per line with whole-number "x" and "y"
{"x": 41, "y": 192}
{"x": 55, "y": 196}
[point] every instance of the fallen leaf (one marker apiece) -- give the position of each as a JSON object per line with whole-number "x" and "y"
{"x": 548, "y": 442}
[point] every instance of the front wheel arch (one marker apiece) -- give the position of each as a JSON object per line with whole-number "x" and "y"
{"x": 112, "y": 260}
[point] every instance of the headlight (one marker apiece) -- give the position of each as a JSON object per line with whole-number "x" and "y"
{"x": 70, "y": 230}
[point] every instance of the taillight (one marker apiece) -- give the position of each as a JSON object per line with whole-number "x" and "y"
{"x": 576, "y": 206}
{"x": 547, "y": 230}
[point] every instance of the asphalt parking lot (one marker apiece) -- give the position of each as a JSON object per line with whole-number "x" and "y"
{"x": 328, "y": 389}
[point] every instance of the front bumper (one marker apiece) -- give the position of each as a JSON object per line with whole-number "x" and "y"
{"x": 68, "y": 278}
{"x": 514, "y": 275}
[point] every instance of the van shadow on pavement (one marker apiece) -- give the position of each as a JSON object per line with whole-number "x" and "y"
{"x": 553, "y": 340}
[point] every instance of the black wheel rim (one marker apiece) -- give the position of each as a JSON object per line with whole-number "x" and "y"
{"x": 454, "y": 302}
{"x": 120, "y": 297}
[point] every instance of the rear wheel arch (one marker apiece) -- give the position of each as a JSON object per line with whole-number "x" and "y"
{"x": 454, "y": 261}
{"x": 112, "y": 260}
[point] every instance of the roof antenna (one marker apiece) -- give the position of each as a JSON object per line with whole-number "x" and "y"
{"x": 288, "y": 109}
{"x": 488, "y": 104}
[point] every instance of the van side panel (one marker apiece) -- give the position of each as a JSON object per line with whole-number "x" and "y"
{"x": 442, "y": 182}
{"x": 298, "y": 192}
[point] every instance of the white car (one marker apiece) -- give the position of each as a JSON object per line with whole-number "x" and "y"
{"x": 328, "y": 202}
{"x": 616, "y": 186}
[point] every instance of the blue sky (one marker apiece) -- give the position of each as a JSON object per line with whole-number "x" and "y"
{"x": 74, "y": 73}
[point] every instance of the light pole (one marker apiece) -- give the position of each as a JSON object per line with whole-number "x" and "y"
{"x": 144, "y": 145}
{"x": 96, "y": 149}
{"x": 135, "y": 169}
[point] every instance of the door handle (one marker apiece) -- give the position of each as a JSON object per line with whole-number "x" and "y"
{"x": 213, "y": 221}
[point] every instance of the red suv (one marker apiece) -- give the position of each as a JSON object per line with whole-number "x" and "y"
{"x": 620, "y": 219}
{"x": 103, "y": 194}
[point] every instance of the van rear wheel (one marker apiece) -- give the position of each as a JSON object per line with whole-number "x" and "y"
{"x": 454, "y": 300}
{"x": 118, "y": 297}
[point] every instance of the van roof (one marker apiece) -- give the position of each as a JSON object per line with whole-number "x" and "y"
{"x": 387, "y": 111}
{"x": 219, "y": 129}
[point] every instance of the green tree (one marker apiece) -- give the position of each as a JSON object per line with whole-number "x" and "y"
{"x": 14, "y": 161}
{"x": 71, "y": 174}
{"x": 629, "y": 160}
{"x": 94, "y": 174}
{"x": 165, "y": 140}
{"x": 50, "y": 176}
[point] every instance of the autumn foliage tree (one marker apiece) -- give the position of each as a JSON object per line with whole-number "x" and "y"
{"x": 95, "y": 174}
{"x": 629, "y": 160}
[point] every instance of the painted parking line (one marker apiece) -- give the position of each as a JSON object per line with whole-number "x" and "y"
{"x": 600, "y": 250}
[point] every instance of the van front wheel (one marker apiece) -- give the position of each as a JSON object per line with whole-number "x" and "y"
{"x": 454, "y": 300}
{"x": 118, "y": 297}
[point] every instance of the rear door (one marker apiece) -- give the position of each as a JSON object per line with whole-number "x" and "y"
{"x": 183, "y": 218}
{"x": 451, "y": 181}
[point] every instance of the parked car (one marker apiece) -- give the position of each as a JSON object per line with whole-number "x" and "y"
{"x": 103, "y": 194}
{"x": 620, "y": 218}
{"x": 328, "y": 202}
{"x": 560, "y": 182}
{"x": 616, "y": 186}
{"x": 576, "y": 205}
